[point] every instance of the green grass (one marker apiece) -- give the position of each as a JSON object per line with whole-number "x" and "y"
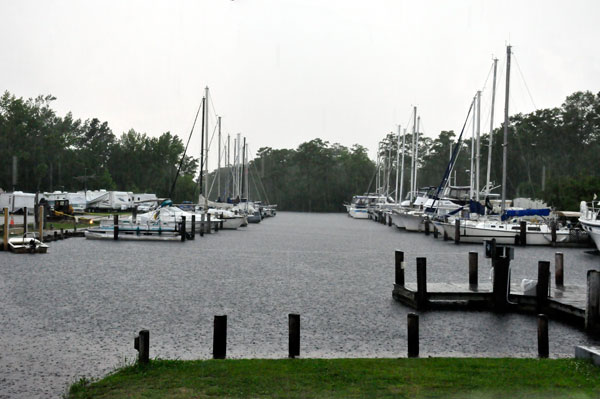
{"x": 349, "y": 378}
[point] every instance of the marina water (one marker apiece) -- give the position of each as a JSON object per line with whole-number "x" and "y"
{"x": 74, "y": 311}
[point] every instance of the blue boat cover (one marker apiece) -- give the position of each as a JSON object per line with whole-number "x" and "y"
{"x": 476, "y": 207}
{"x": 525, "y": 212}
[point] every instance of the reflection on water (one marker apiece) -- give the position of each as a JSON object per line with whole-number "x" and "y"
{"x": 75, "y": 310}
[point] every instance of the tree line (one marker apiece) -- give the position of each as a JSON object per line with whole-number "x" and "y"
{"x": 552, "y": 155}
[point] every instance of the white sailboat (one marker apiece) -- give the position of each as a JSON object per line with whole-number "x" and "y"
{"x": 590, "y": 220}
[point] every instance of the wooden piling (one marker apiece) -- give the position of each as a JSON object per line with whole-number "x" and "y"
{"x": 457, "y": 231}
{"x": 413, "y": 334}
{"x": 436, "y": 232}
{"x": 182, "y": 229}
{"x": 501, "y": 286}
{"x": 41, "y": 223}
{"x": 543, "y": 345}
{"x": 523, "y": 233}
{"x": 446, "y": 238}
{"x": 220, "y": 337}
{"x": 193, "y": 235}
{"x": 25, "y": 219}
{"x": 134, "y": 213}
{"x": 421, "y": 297}
{"x": 294, "y": 337}
{"x": 115, "y": 226}
{"x": 142, "y": 344}
{"x": 559, "y": 269}
{"x": 389, "y": 220}
{"x": 592, "y": 310}
{"x": 473, "y": 269}
{"x": 399, "y": 268}
{"x": 426, "y": 227}
{"x": 553, "y": 234}
{"x": 62, "y": 234}
{"x": 208, "y": 228}
{"x": 541, "y": 291}
{"x": 6, "y": 227}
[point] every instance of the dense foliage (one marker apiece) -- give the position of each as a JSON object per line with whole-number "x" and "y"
{"x": 55, "y": 153}
{"x": 552, "y": 155}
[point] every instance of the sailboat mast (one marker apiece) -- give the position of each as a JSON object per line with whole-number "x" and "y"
{"x": 505, "y": 146}
{"x": 219, "y": 163}
{"x": 206, "y": 144}
{"x": 471, "y": 171}
{"x": 201, "y": 177}
{"x": 478, "y": 156}
{"x": 246, "y": 175}
{"x": 397, "y": 163}
{"x": 402, "y": 167}
{"x": 389, "y": 169}
{"x": 417, "y": 155}
{"x": 491, "y": 138}
{"x": 412, "y": 161}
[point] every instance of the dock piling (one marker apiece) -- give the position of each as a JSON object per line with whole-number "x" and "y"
{"x": 543, "y": 284}
{"x": 41, "y": 222}
{"x": 523, "y": 233}
{"x": 208, "y": 229}
{"x": 501, "y": 283}
{"x": 592, "y": 310}
{"x": 553, "y": 234}
{"x": 445, "y": 236}
{"x": 294, "y": 335}
{"x": 457, "y": 231}
{"x": 5, "y": 240}
{"x": 413, "y": 334}
{"x": 220, "y": 337}
{"x": 25, "y": 219}
{"x": 182, "y": 229}
{"x": 421, "y": 296}
{"x": 142, "y": 344}
{"x": 193, "y": 235}
{"x": 115, "y": 226}
{"x": 543, "y": 345}
{"x": 436, "y": 232}
{"x": 426, "y": 227}
{"x": 399, "y": 257}
{"x": 473, "y": 269}
{"x": 559, "y": 269}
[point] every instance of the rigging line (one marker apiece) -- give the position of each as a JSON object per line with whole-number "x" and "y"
{"x": 260, "y": 181}
{"x": 213, "y": 106}
{"x": 184, "y": 151}
{"x": 255, "y": 173}
{"x": 488, "y": 77}
{"x": 525, "y": 82}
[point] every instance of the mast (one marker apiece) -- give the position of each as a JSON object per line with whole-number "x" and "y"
{"x": 402, "y": 168}
{"x": 397, "y": 163}
{"x": 505, "y": 146}
{"x": 228, "y": 161}
{"x": 201, "y": 177}
{"x": 491, "y": 138}
{"x": 417, "y": 155}
{"x": 389, "y": 169}
{"x": 219, "y": 163}
{"x": 472, "y": 152}
{"x": 378, "y": 167}
{"x": 412, "y": 161}
{"x": 246, "y": 175}
{"x": 478, "y": 142}
{"x": 206, "y": 146}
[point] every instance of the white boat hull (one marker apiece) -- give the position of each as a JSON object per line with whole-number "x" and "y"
{"x": 359, "y": 213}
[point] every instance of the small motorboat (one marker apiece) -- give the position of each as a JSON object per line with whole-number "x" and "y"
{"x": 27, "y": 244}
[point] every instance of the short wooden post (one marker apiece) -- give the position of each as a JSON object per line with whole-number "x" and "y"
{"x": 142, "y": 344}
{"x": 457, "y": 231}
{"x": 25, "y": 219}
{"x": 553, "y": 234}
{"x": 134, "y": 213}
{"x": 542, "y": 284}
{"x": 41, "y": 223}
{"x": 294, "y": 344}
{"x": 193, "y": 232}
{"x": 221, "y": 224}
{"x": 426, "y": 227}
{"x": 473, "y": 268}
{"x": 446, "y": 238}
{"x": 115, "y": 226}
{"x": 413, "y": 334}
{"x": 559, "y": 269}
{"x": 501, "y": 285}
{"x": 592, "y": 310}
{"x": 182, "y": 229}
{"x": 6, "y": 227}
{"x": 543, "y": 346}
{"x": 62, "y": 234}
{"x": 389, "y": 220}
{"x": 523, "y": 233}
{"x": 74, "y": 225}
{"x": 55, "y": 235}
{"x": 436, "y": 232}
{"x": 421, "y": 296}
{"x": 208, "y": 226}
{"x": 217, "y": 227}
{"x": 220, "y": 337}
{"x": 399, "y": 268}
{"x": 203, "y": 224}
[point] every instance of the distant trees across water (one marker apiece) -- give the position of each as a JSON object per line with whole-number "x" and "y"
{"x": 553, "y": 154}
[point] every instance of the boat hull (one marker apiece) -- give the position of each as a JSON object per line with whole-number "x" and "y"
{"x": 359, "y": 213}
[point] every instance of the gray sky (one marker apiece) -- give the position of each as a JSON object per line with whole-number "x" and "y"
{"x": 282, "y": 72}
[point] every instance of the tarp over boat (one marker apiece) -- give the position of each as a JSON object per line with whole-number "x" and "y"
{"x": 525, "y": 212}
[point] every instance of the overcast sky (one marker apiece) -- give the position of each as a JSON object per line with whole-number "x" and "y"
{"x": 282, "y": 72}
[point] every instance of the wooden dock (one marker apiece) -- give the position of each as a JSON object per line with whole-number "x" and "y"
{"x": 576, "y": 305}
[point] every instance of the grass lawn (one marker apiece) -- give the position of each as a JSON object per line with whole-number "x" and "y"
{"x": 349, "y": 378}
